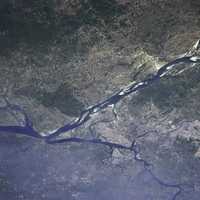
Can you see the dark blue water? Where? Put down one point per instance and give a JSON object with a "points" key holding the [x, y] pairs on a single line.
{"points": [[28, 129]]}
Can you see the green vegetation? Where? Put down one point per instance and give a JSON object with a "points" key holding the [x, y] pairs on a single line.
{"points": [[94, 11], [4, 186], [185, 146], [174, 92], [63, 98]]}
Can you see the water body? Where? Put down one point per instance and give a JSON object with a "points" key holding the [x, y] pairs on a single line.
{"points": [[28, 129], [86, 114]]}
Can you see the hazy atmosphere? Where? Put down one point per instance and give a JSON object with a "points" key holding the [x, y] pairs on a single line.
{"points": [[99, 100]]}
